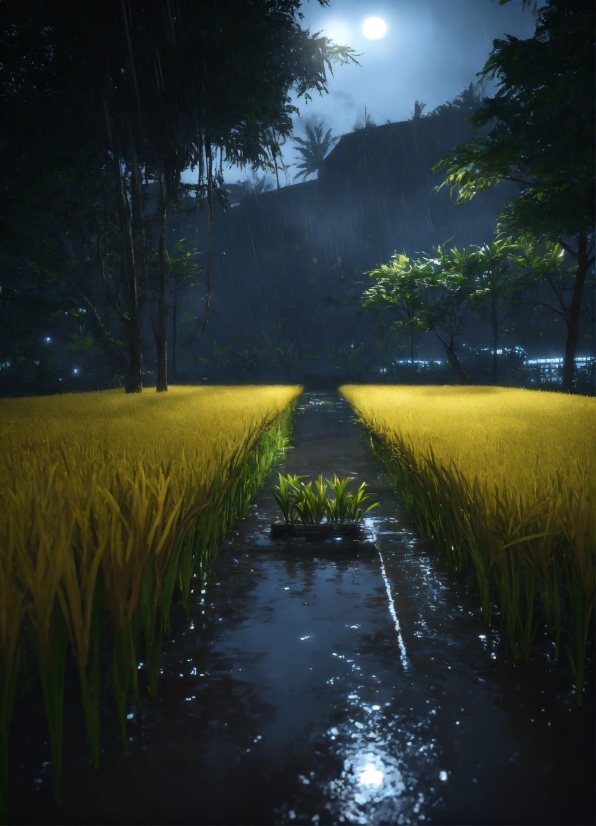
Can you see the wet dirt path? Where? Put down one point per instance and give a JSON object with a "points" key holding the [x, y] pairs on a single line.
{"points": [[333, 682]]}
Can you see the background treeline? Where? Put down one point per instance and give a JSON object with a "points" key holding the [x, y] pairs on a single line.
{"points": [[97, 103], [114, 268]]}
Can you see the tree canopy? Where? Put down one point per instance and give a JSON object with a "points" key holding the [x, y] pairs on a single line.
{"points": [[149, 89], [541, 125], [538, 132]]}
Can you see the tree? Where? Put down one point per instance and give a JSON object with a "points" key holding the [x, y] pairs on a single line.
{"points": [[501, 284], [55, 207], [165, 88], [419, 108], [314, 149], [541, 136], [464, 104], [241, 191], [396, 291], [184, 273], [550, 281], [429, 294]]}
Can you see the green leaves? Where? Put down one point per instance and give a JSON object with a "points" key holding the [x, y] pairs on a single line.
{"points": [[311, 502], [431, 293], [539, 126], [284, 494]]}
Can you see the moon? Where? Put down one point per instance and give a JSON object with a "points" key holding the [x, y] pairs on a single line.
{"points": [[373, 28]]}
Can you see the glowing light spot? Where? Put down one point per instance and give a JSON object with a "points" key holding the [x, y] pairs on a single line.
{"points": [[371, 776], [373, 28]]}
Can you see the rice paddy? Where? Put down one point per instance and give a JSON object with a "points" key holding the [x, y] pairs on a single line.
{"points": [[502, 480], [110, 506]]}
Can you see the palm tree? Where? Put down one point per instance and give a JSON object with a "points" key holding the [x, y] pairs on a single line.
{"points": [[468, 101], [241, 190], [314, 148], [419, 107]]}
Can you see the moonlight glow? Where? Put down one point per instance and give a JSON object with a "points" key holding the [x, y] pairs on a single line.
{"points": [[373, 28], [371, 776]]}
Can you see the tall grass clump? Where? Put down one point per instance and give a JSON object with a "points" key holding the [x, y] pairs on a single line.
{"points": [[110, 505], [503, 482], [311, 502]]}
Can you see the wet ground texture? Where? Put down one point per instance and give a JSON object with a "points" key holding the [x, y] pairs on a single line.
{"points": [[330, 681]]}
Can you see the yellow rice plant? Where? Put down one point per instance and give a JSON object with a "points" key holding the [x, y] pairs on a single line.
{"points": [[12, 609], [503, 479], [41, 526], [103, 497]]}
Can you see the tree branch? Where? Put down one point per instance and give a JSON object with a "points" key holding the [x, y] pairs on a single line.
{"points": [[518, 181], [95, 315]]}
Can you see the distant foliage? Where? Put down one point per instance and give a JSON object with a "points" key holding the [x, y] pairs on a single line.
{"points": [[366, 124], [313, 150], [419, 108], [250, 187], [466, 103]]}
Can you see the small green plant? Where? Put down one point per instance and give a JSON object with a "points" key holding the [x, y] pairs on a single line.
{"points": [[284, 494], [311, 502], [356, 509], [340, 506]]}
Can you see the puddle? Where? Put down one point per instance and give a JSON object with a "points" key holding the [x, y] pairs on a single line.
{"points": [[328, 682]]}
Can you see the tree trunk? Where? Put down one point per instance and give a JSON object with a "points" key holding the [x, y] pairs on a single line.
{"points": [[456, 363], [161, 343], [160, 329], [133, 378], [175, 329], [494, 325], [411, 348], [114, 357], [138, 224], [572, 317], [211, 219]]}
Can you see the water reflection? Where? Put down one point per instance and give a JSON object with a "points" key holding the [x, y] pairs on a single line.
{"points": [[389, 756], [392, 611]]}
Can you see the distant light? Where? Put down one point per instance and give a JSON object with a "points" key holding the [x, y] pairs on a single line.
{"points": [[373, 28], [48, 338], [75, 370], [371, 776]]}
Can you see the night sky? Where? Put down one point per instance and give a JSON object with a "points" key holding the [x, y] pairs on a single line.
{"points": [[431, 51]]}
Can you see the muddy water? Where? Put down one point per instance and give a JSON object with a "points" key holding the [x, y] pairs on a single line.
{"points": [[332, 682]]}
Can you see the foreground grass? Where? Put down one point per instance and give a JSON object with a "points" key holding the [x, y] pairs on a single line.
{"points": [[110, 504], [503, 481]]}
